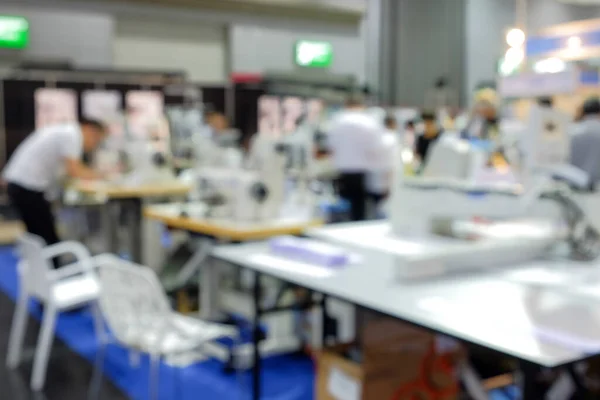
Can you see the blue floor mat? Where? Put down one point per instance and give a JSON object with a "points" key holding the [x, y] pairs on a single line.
{"points": [[284, 378]]}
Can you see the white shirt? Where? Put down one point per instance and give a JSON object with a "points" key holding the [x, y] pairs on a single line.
{"points": [[38, 163], [378, 182], [355, 141]]}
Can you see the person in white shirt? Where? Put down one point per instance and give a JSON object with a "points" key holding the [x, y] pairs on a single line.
{"points": [[355, 142], [40, 162], [379, 181]]}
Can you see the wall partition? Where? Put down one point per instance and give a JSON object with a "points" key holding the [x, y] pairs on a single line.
{"points": [[421, 42]]}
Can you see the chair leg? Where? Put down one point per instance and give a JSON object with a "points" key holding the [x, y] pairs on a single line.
{"points": [[134, 358], [96, 383], [153, 384], [17, 331], [44, 346]]}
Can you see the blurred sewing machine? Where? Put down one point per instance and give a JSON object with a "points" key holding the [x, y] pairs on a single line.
{"points": [[496, 214], [240, 194]]}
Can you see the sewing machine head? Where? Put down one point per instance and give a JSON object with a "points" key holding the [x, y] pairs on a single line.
{"points": [[235, 194], [147, 163], [219, 150]]}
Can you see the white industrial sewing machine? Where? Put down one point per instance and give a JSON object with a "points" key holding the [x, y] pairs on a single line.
{"points": [[237, 193], [148, 163], [500, 220], [251, 196]]}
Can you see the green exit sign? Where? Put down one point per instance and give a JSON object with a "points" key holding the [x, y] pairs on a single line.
{"points": [[14, 32], [313, 54]]}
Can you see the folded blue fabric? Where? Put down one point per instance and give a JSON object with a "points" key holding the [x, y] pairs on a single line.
{"points": [[309, 251]]}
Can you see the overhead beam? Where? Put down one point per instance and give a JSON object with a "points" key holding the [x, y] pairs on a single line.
{"points": [[297, 9]]}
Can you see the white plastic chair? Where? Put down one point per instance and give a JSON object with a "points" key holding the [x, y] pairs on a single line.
{"points": [[57, 289], [139, 316]]}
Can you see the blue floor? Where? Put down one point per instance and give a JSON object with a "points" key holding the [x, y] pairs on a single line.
{"points": [[284, 378]]}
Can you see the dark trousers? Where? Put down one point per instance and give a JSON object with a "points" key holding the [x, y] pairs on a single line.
{"points": [[376, 198], [35, 212], [352, 188]]}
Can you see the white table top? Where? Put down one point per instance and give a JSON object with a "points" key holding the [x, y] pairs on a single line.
{"points": [[529, 322], [375, 236]]}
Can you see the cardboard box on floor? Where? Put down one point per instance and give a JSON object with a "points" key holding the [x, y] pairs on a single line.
{"points": [[399, 362]]}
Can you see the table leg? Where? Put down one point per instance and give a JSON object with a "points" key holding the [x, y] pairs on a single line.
{"points": [[135, 230], [256, 337], [580, 390], [209, 287], [110, 227], [529, 385], [324, 322], [194, 264]]}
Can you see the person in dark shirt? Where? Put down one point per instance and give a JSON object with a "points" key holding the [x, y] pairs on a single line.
{"points": [[431, 133]]}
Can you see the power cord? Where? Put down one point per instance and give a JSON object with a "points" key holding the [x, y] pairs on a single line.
{"points": [[583, 238]]}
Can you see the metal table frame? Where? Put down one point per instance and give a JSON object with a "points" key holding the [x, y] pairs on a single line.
{"points": [[528, 369]]}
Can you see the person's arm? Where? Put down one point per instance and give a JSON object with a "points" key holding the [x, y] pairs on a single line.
{"points": [[76, 169], [71, 147]]}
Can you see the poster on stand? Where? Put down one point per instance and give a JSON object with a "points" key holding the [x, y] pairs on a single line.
{"points": [[269, 115], [54, 106], [292, 110], [104, 106], [145, 115], [101, 105], [315, 109]]}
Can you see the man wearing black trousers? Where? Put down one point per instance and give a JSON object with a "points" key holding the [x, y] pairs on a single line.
{"points": [[39, 162], [356, 145]]}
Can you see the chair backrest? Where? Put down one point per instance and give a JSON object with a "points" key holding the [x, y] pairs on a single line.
{"points": [[132, 302], [34, 267]]}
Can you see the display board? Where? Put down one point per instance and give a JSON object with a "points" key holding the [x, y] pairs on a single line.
{"points": [[293, 108], [549, 142], [144, 110], [101, 105], [314, 110], [105, 106], [281, 115], [269, 115], [54, 106]]}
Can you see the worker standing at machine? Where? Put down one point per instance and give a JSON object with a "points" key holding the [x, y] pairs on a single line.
{"points": [[40, 162], [355, 140], [379, 182], [585, 145], [430, 134], [217, 122], [484, 122]]}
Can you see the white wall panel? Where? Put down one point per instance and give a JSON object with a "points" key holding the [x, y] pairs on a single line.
{"points": [[425, 42], [256, 49], [486, 21], [198, 49], [85, 38]]}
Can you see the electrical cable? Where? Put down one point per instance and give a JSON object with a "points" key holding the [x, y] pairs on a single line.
{"points": [[583, 238]]}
